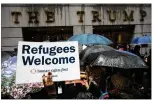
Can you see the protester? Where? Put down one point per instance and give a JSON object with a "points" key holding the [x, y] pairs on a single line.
{"points": [[149, 69], [128, 48], [91, 89], [70, 91], [146, 82], [124, 88], [103, 81], [49, 86], [94, 88], [137, 50], [149, 59], [121, 47]]}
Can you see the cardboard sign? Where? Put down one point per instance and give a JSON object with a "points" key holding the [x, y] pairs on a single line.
{"points": [[37, 58]]}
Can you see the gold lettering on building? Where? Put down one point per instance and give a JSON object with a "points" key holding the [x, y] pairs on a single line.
{"points": [[33, 16], [80, 13], [50, 17], [128, 18], [142, 14], [112, 15], [16, 15], [95, 16]]}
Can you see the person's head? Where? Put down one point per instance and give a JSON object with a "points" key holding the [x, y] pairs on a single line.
{"points": [[15, 49], [127, 46], [49, 75], [47, 80], [91, 78], [137, 48], [120, 47]]}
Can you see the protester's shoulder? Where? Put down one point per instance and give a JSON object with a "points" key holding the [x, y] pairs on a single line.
{"points": [[149, 56]]}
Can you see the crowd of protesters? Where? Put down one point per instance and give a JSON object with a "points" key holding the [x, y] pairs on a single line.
{"points": [[114, 84]]}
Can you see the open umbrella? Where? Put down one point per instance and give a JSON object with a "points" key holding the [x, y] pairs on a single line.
{"points": [[114, 58], [93, 49], [142, 40], [9, 66], [127, 52], [89, 39]]}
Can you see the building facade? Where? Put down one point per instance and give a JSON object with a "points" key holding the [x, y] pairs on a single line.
{"points": [[118, 22]]}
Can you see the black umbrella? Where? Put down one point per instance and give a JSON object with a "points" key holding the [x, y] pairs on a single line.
{"points": [[114, 58], [93, 49]]}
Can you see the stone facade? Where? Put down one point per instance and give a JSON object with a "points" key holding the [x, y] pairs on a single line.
{"points": [[81, 17]]}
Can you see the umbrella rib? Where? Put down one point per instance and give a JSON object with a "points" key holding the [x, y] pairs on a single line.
{"points": [[94, 61]]}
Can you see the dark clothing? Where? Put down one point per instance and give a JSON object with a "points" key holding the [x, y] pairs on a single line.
{"points": [[84, 95], [137, 51], [6, 96], [95, 90], [149, 61], [103, 82], [42, 94], [62, 85], [138, 54], [138, 76], [138, 72], [149, 71], [69, 92]]}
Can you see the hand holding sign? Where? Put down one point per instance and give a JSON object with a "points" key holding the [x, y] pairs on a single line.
{"points": [[47, 80], [49, 84]]}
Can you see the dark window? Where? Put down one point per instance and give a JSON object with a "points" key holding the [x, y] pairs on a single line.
{"points": [[118, 34], [39, 34]]}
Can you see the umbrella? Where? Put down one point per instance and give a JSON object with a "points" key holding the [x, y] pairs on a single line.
{"points": [[10, 61], [89, 39], [93, 49], [127, 52], [10, 66], [142, 40], [114, 58]]}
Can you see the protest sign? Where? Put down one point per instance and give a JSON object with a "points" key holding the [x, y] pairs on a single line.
{"points": [[37, 58]]}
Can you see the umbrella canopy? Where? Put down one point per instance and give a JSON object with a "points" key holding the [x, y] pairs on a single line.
{"points": [[9, 66], [89, 39], [93, 49], [142, 40], [127, 52], [114, 58]]}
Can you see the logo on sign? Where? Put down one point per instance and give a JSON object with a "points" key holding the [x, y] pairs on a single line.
{"points": [[33, 71]]}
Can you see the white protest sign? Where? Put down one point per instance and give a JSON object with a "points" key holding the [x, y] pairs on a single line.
{"points": [[37, 58]]}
